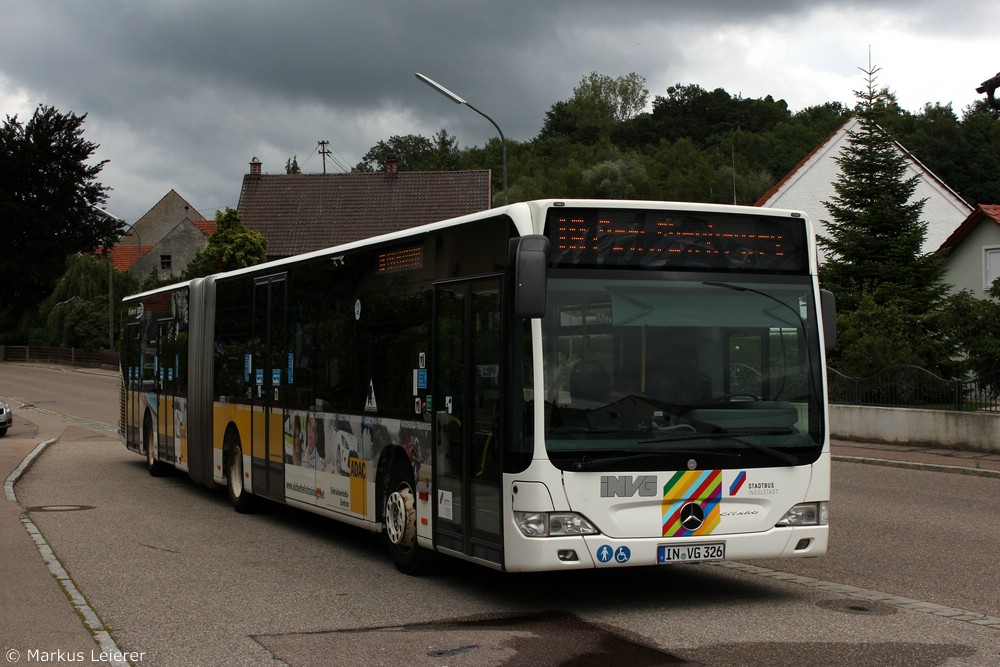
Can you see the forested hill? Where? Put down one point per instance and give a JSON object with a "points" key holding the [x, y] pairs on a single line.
{"points": [[600, 143]]}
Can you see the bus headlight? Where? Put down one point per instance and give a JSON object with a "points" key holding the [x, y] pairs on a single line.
{"points": [[807, 514], [553, 524]]}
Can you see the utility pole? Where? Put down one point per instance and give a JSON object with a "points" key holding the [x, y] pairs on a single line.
{"points": [[324, 151]]}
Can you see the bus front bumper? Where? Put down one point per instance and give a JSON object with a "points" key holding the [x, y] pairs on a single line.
{"points": [[531, 554]]}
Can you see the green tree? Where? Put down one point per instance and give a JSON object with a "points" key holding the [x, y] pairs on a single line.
{"points": [[621, 177], [684, 172], [599, 104], [964, 152], [232, 246], [75, 314], [875, 335], [690, 111], [875, 264], [616, 98], [972, 326], [411, 153], [977, 170], [49, 199], [446, 153], [292, 165], [415, 152]]}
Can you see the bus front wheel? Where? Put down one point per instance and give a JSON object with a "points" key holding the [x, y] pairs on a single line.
{"points": [[399, 520]]}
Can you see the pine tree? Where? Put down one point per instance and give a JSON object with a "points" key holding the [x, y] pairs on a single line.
{"points": [[876, 233], [875, 264]]}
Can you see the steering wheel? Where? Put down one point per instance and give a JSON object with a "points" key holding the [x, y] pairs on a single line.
{"points": [[728, 398]]}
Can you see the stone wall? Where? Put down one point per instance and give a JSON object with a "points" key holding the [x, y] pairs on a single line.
{"points": [[978, 431]]}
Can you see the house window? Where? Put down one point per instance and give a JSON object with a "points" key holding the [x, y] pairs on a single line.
{"points": [[991, 266], [164, 262]]}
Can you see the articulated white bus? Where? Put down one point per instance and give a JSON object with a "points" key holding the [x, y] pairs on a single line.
{"points": [[549, 385]]}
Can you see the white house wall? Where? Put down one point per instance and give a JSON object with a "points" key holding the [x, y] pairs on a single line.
{"points": [[965, 269], [811, 185]]}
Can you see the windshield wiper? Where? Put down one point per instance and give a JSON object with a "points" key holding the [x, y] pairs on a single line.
{"points": [[718, 435], [738, 436]]}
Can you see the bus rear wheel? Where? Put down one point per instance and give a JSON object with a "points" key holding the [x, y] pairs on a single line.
{"points": [[155, 467], [240, 498], [399, 520]]}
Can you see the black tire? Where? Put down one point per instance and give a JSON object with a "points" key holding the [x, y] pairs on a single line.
{"points": [[155, 467], [399, 519], [242, 500]]}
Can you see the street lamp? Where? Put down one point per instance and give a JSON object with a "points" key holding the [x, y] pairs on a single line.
{"points": [[458, 100], [111, 276]]}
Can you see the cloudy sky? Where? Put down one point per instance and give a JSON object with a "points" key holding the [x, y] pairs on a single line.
{"points": [[183, 93]]}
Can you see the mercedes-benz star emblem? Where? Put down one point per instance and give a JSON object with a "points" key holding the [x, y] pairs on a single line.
{"points": [[692, 516]]}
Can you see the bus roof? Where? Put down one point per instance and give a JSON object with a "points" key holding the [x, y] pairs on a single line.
{"points": [[528, 218]]}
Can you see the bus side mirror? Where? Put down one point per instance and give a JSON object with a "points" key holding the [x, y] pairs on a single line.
{"points": [[829, 306], [531, 263]]}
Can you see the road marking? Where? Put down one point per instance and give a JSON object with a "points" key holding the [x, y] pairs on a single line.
{"points": [[975, 618], [80, 420]]}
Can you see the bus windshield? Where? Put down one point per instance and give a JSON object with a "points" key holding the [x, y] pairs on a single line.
{"points": [[679, 370]]}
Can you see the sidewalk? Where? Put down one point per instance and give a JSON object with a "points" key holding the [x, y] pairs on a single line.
{"points": [[911, 456], [35, 614]]}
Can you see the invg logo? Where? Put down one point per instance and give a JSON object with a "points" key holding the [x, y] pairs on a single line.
{"points": [[626, 486]]}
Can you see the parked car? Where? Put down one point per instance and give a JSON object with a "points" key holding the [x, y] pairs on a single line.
{"points": [[6, 418]]}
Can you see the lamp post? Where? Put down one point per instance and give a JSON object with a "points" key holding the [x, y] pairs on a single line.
{"points": [[111, 277], [458, 100], [111, 285]]}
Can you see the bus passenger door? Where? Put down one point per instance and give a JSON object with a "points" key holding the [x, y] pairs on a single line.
{"points": [[165, 392], [466, 405], [131, 364], [270, 373]]}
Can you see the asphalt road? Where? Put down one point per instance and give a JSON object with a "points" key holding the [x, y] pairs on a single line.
{"points": [[176, 576]]}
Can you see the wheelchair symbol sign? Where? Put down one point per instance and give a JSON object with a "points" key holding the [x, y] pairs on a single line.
{"points": [[606, 554]]}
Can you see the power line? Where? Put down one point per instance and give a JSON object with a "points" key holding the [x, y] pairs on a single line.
{"points": [[341, 163]]}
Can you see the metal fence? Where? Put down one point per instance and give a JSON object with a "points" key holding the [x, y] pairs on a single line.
{"points": [[915, 387], [60, 355]]}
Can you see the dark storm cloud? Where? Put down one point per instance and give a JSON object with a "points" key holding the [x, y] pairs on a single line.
{"points": [[182, 93], [119, 57]]}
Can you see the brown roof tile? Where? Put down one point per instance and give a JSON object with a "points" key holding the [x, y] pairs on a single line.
{"points": [[124, 255], [207, 227], [299, 213]]}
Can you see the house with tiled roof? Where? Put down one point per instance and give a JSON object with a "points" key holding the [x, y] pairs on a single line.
{"points": [[810, 184], [973, 261], [164, 240], [127, 251], [299, 213]]}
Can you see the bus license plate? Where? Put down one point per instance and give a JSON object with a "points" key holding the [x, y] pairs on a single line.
{"points": [[691, 553]]}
